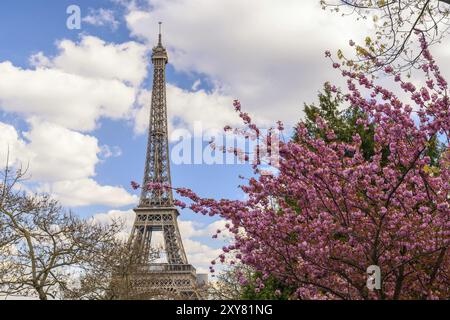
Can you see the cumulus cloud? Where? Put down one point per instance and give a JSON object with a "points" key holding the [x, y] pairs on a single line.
{"points": [[61, 161], [441, 52], [110, 152], [95, 58], [52, 151], [67, 99], [125, 217], [213, 110], [200, 255], [102, 17], [11, 146], [78, 86], [269, 54], [193, 229], [84, 192]]}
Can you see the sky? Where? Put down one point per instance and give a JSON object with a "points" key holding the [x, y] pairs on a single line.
{"points": [[74, 103]]}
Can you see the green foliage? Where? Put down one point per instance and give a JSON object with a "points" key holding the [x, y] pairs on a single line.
{"points": [[435, 150], [269, 292], [343, 120]]}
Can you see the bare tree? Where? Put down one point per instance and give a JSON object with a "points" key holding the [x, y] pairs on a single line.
{"points": [[226, 285], [41, 245], [47, 252], [396, 21], [108, 275]]}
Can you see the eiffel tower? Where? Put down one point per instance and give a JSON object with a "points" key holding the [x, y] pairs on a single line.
{"points": [[156, 210]]}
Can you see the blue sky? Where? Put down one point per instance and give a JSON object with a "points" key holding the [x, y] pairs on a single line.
{"points": [[75, 103]]}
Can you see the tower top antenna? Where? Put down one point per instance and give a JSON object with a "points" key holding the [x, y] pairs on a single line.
{"points": [[160, 34]]}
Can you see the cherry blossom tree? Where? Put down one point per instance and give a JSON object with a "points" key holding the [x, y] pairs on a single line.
{"points": [[329, 212]]}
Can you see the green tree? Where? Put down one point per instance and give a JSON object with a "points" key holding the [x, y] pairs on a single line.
{"points": [[268, 289], [342, 119]]}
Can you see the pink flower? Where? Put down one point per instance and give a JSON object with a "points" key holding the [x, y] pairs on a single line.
{"points": [[388, 69], [180, 204], [135, 185]]}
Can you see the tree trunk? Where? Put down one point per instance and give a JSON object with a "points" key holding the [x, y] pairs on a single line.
{"points": [[42, 294]]}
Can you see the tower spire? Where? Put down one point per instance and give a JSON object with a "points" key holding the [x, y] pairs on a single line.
{"points": [[160, 35]]}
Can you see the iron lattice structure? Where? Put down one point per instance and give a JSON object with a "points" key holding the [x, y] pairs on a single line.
{"points": [[156, 210]]}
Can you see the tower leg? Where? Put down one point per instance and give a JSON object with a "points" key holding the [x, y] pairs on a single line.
{"points": [[147, 246], [172, 242]]}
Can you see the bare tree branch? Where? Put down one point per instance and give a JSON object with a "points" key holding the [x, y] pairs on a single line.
{"points": [[396, 21]]}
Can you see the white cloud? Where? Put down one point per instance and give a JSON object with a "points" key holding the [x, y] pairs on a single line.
{"points": [[84, 192], [213, 110], [58, 153], [102, 17], [84, 82], [52, 152], [67, 99], [61, 161], [194, 234], [142, 114], [196, 85], [268, 54], [193, 229], [110, 152], [126, 217], [200, 255], [39, 60], [94, 58], [11, 146], [441, 52]]}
